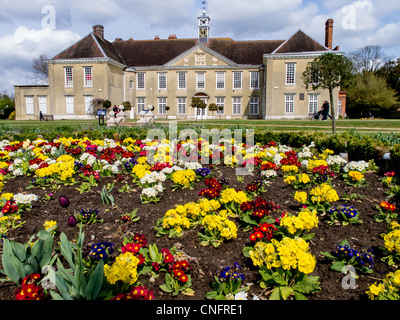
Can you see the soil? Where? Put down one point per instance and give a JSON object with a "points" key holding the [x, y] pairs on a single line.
{"points": [[205, 260]]}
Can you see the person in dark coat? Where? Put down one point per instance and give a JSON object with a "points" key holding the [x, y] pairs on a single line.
{"points": [[116, 110], [41, 118], [325, 111]]}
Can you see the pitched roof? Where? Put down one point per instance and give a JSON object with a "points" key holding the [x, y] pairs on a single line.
{"points": [[135, 53], [244, 52], [151, 52], [91, 46], [300, 42]]}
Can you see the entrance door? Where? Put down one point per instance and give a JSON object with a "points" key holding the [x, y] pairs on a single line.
{"points": [[202, 113]]}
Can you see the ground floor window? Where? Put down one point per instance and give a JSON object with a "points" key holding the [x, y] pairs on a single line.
{"points": [[69, 101], [162, 103], [312, 103], [221, 105], [254, 105], [289, 103], [181, 105], [140, 104], [237, 106], [89, 104], [29, 105], [43, 104]]}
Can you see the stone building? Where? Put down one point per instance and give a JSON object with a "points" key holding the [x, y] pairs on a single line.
{"points": [[245, 79]]}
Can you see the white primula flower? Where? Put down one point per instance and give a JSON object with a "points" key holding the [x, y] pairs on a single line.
{"points": [[241, 295]]}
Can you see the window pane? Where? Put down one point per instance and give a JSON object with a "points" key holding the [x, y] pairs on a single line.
{"points": [[254, 80], [290, 73], [289, 103], [254, 105], [68, 76], [69, 104], [181, 80], [89, 104], [140, 81], [313, 103], [162, 103], [220, 76], [140, 104], [88, 77], [221, 103], [181, 105], [43, 104], [29, 105], [237, 80], [201, 80], [162, 80], [237, 105]]}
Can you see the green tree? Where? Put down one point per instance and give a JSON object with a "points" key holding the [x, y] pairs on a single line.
{"points": [[213, 107], [329, 71], [198, 103], [370, 94], [391, 73], [7, 105]]}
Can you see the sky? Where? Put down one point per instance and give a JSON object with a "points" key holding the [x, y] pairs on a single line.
{"points": [[29, 28]]}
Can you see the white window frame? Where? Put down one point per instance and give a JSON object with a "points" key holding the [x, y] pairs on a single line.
{"points": [[43, 104], [162, 103], [140, 81], [253, 105], [220, 80], [69, 104], [312, 103], [87, 77], [141, 104], [237, 80], [181, 105], [200, 80], [181, 80], [69, 77], [290, 73], [236, 105], [162, 81], [200, 59], [254, 80], [88, 104], [220, 102], [29, 105], [289, 103]]}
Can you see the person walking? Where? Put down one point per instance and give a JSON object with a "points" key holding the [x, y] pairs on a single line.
{"points": [[41, 118], [325, 111]]}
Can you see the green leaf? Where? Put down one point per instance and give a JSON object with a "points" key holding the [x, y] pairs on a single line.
{"points": [[279, 278], [275, 295], [246, 251], [338, 266], [95, 282], [285, 292], [328, 255], [299, 296], [307, 284], [66, 250], [12, 266]]}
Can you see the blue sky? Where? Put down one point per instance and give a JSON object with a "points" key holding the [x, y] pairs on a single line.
{"points": [[49, 26]]}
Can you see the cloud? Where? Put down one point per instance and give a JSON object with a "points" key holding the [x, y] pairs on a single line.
{"points": [[19, 48]]}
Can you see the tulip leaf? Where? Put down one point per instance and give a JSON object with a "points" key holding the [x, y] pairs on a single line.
{"points": [[12, 266], [95, 282]]}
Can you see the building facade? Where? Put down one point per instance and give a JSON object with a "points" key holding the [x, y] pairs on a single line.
{"points": [[245, 79]]}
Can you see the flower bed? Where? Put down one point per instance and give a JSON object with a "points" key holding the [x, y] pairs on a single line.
{"points": [[144, 230]]}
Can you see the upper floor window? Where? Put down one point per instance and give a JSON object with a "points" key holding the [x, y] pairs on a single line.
{"points": [[237, 80], [290, 73], [200, 80], [181, 80], [254, 79], [68, 77], [140, 80], [220, 79], [88, 80], [162, 80]]}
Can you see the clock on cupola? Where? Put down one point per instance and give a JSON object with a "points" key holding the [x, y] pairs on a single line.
{"points": [[204, 27]]}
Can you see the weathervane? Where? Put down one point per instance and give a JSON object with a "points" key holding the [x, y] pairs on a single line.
{"points": [[204, 6]]}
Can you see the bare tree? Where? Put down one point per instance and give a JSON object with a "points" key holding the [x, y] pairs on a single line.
{"points": [[369, 58], [40, 68]]}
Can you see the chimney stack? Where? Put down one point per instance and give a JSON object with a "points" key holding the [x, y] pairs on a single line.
{"points": [[172, 37], [98, 30], [157, 37], [329, 33]]}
